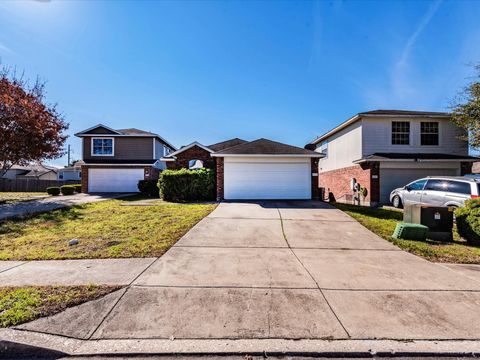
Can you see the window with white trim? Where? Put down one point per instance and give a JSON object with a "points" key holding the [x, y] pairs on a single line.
{"points": [[102, 146], [429, 133], [400, 133]]}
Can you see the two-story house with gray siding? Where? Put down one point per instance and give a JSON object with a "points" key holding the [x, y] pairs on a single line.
{"points": [[386, 149], [115, 160]]}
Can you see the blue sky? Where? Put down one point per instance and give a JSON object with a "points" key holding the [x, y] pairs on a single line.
{"points": [[209, 71]]}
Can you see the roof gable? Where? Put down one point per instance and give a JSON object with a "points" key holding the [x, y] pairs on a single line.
{"points": [[101, 129], [186, 147], [98, 129]]}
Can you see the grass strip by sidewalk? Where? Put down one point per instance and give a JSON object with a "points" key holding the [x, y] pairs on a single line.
{"points": [[383, 221], [104, 230], [22, 304]]}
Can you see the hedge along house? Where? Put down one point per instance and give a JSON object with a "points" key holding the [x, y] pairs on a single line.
{"points": [[386, 149], [257, 170], [115, 160]]}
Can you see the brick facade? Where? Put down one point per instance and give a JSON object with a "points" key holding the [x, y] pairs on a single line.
{"points": [[219, 179], [337, 183], [151, 173], [84, 178], [314, 170], [194, 153]]}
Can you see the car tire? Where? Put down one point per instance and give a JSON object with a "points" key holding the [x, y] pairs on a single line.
{"points": [[397, 202]]}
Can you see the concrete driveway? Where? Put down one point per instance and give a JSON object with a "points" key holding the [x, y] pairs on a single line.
{"points": [[281, 270]]}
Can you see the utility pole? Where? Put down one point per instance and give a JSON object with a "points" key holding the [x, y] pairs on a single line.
{"points": [[68, 151]]}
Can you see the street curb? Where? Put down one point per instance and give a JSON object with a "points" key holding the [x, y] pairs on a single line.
{"points": [[18, 343], [10, 350]]}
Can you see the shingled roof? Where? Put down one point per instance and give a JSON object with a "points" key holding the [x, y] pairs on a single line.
{"points": [[133, 131], [266, 147], [404, 112], [415, 156], [226, 144]]}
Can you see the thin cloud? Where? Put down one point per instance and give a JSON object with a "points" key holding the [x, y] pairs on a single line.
{"points": [[403, 87], [423, 24], [5, 49]]}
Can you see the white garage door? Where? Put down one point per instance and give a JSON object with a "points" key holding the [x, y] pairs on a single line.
{"points": [[267, 180], [394, 178], [114, 180]]}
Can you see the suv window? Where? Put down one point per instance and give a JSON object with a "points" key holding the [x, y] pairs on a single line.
{"points": [[417, 185], [459, 187], [436, 185]]}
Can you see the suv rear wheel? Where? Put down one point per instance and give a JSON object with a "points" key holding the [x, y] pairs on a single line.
{"points": [[397, 202]]}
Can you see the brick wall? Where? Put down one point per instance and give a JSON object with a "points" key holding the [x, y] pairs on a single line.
{"points": [[151, 173], [219, 178], [338, 183], [314, 170], [84, 179], [194, 153]]}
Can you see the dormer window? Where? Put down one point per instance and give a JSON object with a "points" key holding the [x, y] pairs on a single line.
{"points": [[429, 133], [102, 146], [400, 133]]}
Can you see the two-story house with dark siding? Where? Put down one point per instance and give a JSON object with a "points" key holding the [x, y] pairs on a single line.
{"points": [[115, 160], [385, 149]]}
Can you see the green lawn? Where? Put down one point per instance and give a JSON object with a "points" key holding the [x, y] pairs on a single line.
{"points": [[104, 230], [22, 304], [11, 197], [383, 222]]}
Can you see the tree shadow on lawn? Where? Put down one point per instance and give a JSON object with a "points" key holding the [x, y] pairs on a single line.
{"points": [[379, 213]]}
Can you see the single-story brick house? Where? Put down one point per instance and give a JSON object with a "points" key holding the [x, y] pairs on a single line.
{"points": [[248, 170]]}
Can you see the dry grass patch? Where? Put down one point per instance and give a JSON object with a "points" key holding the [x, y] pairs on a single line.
{"points": [[104, 230]]}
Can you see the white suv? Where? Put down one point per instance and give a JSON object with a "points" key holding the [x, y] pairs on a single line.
{"points": [[437, 191]]}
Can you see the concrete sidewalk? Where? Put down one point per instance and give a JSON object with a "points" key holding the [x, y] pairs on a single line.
{"points": [[25, 208], [72, 272], [252, 277]]}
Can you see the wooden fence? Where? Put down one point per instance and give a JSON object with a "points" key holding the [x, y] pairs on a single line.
{"points": [[30, 185]]}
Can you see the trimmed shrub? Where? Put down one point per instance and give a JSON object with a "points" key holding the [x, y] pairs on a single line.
{"points": [[149, 188], [67, 189], [54, 191], [468, 221], [187, 185], [78, 188]]}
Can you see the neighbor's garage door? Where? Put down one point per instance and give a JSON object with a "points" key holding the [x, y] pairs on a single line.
{"points": [[395, 178], [267, 180], [114, 180]]}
